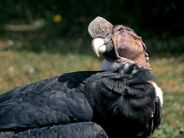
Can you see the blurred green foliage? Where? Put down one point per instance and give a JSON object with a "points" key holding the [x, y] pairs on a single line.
{"points": [[164, 16]]}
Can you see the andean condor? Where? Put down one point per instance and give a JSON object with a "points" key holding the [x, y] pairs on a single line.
{"points": [[120, 44], [119, 102]]}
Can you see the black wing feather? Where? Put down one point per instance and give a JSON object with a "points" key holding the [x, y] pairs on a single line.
{"points": [[74, 130], [45, 102]]}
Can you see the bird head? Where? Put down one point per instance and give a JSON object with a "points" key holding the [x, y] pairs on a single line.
{"points": [[119, 43]]}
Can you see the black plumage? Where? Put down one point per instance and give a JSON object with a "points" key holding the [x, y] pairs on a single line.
{"points": [[73, 130], [120, 100]]}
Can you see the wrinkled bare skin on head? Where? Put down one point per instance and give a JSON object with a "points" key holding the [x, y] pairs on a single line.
{"points": [[127, 44]]}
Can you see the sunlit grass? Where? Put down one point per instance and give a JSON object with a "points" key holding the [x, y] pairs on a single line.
{"points": [[32, 58], [29, 60], [170, 74]]}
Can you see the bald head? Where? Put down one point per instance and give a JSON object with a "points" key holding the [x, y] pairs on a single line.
{"points": [[127, 45]]}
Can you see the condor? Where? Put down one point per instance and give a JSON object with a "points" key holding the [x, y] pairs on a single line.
{"points": [[121, 101], [118, 102]]}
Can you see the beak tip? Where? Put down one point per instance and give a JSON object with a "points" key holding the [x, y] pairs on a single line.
{"points": [[96, 44]]}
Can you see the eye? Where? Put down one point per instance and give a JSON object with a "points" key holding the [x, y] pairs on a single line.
{"points": [[107, 34]]}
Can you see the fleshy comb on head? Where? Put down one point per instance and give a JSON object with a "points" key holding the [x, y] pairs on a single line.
{"points": [[100, 27]]}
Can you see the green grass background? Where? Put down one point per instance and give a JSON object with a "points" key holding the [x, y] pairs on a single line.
{"points": [[28, 57]]}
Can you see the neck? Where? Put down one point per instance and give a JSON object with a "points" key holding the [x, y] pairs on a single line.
{"points": [[142, 61], [106, 64]]}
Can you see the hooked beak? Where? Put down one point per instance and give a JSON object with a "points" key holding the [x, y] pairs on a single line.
{"points": [[98, 45]]}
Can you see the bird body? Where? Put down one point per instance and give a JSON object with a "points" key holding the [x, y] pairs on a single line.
{"points": [[120, 44], [103, 97]]}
